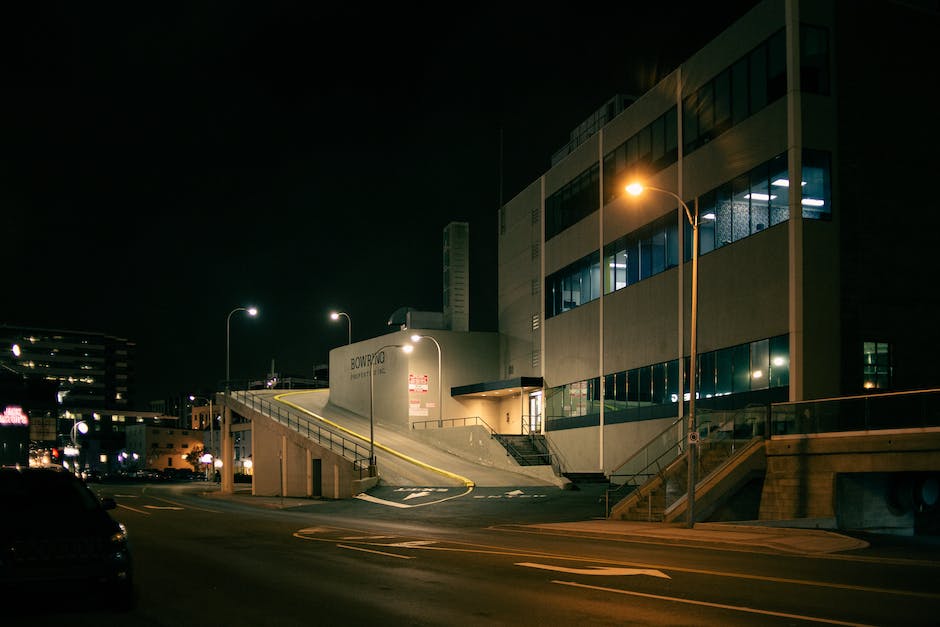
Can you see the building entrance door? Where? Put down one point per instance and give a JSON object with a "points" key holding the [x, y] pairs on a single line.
{"points": [[535, 412]]}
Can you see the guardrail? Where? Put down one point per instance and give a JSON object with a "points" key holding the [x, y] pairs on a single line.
{"points": [[892, 410], [451, 422], [337, 442]]}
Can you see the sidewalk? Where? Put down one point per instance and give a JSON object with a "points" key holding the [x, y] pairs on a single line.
{"points": [[790, 540]]}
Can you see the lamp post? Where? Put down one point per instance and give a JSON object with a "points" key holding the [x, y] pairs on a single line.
{"points": [[211, 421], [440, 381], [636, 189], [252, 311], [73, 451], [407, 348], [335, 316]]}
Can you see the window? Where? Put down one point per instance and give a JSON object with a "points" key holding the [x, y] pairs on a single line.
{"points": [[759, 199], [642, 254], [876, 365], [653, 148], [572, 203], [814, 60], [573, 285]]}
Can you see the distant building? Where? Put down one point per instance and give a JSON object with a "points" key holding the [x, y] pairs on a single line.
{"points": [[91, 369], [63, 378], [160, 448]]}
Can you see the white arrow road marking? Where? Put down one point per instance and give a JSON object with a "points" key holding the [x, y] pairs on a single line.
{"points": [[163, 507], [372, 499], [413, 543], [608, 571], [415, 495], [515, 493]]}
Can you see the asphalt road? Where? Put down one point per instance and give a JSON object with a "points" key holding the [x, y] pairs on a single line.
{"points": [[472, 559]]}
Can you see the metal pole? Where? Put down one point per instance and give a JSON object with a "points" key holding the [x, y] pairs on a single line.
{"points": [[372, 468], [693, 370], [691, 432]]}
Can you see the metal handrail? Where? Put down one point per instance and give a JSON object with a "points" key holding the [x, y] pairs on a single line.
{"points": [[725, 431], [326, 437], [452, 422]]}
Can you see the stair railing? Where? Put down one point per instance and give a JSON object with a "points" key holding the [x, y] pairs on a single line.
{"points": [[720, 428]]}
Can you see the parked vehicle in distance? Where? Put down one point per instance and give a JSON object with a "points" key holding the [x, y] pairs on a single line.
{"points": [[57, 541]]}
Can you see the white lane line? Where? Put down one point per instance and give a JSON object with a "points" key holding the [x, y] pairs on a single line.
{"points": [[609, 571], [372, 499], [134, 509], [358, 548], [164, 507], [201, 509], [722, 606]]}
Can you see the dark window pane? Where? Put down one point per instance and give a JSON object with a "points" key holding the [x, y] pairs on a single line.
{"points": [[724, 371], [742, 368], [814, 60], [739, 91], [776, 66], [758, 79], [690, 123], [659, 384], [723, 101]]}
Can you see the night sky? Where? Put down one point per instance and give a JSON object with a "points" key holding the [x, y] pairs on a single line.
{"points": [[164, 163]]}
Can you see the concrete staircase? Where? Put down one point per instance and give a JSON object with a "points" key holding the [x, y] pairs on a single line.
{"points": [[722, 468], [527, 450]]}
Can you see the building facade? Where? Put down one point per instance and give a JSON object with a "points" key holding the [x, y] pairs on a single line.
{"points": [[790, 137], [160, 448]]}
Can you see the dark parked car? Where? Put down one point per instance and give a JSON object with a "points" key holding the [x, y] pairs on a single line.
{"points": [[58, 544]]}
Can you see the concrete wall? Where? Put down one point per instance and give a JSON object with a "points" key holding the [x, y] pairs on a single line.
{"points": [[578, 450], [407, 387], [283, 463], [843, 475]]}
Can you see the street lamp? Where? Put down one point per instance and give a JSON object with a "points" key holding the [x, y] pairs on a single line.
{"points": [[335, 316], [635, 189], [211, 422], [406, 348], [440, 381], [78, 426], [252, 311]]}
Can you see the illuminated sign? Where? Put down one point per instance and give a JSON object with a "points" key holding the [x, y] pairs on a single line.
{"points": [[14, 416]]}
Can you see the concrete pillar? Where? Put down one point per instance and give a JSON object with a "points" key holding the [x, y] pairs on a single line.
{"points": [[227, 453]]}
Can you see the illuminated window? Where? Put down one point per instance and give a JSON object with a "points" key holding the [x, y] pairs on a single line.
{"points": [[876, 365]]}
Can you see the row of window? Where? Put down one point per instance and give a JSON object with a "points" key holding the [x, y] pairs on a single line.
{"points": [[753, 366], [735, 210], [754, 81], [572, 203]]}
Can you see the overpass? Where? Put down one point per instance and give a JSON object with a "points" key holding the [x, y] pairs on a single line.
{"points": [[304, 446]]}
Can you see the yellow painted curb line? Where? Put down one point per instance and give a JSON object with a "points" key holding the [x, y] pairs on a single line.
{"points": [[280, 398]]}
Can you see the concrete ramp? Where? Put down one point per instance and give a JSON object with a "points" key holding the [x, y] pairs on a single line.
{"points": [[402, 458]]}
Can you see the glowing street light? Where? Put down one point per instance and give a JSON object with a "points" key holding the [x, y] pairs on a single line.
{"points": [[251, 311], [635, 189], [406, 348], [336, 315], [440, 381]]}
